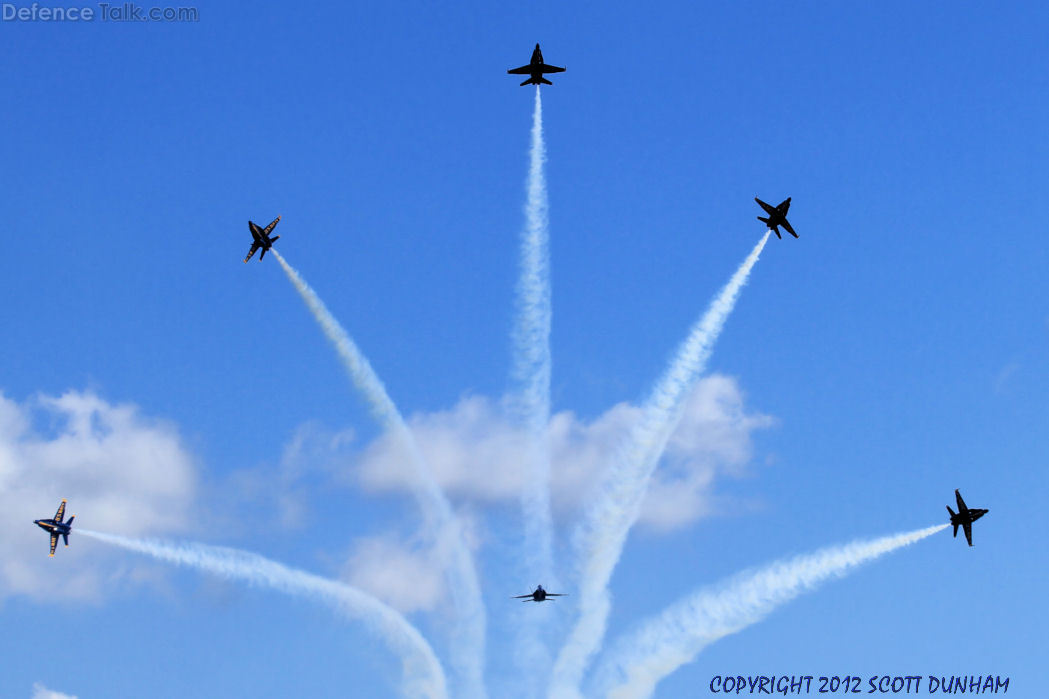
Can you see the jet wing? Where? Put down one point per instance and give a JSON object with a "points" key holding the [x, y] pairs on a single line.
{"points": [[784, 206], [769, 208], [523, 70], [54, 543], [254, 247], [273, 224], [61, 512], [529, 596], [556, 594], [957, 496], [968, 532], [789, 229], [544, 68]]}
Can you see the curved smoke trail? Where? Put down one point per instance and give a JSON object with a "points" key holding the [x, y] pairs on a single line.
{"points": [[608, 520], [423, 676], [468, 643], [676, 636]]}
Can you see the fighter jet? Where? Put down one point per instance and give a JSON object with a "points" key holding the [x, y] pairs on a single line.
{"points": [[56, 527], [535, 69], [777, 217], [262, 238], [965, 517], [539, 595]]}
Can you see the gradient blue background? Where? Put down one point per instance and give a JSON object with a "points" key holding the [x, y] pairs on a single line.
{"points": [[901, 341]]}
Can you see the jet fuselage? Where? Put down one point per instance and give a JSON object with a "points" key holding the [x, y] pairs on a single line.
{"points": [[968, 516], [50, 525]]}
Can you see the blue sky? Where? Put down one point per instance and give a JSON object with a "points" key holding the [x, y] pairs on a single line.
{"points": [[898, 346]]}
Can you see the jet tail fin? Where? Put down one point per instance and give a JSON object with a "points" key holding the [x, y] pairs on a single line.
{"points": [[263, 254], [768, 224], [70, 522], [273, 240]]}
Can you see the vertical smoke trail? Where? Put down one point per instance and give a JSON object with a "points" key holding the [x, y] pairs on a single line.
{"points": [[676, 636], [608, 521], [532, 369], [532, 355], [423, 676], [468, 643]]}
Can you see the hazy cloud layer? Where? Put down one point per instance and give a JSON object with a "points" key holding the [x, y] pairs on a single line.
{"points": [[42, 692], [479, 453], [120, 470]]}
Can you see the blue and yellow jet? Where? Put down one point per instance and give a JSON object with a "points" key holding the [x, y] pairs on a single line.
{"points": [[56, 527]]}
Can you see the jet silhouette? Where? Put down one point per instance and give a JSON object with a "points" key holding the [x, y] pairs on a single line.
{"points": [[777, 217], [539, 595], [56, 527], [965, 517], [535, 69], [262, 238]]}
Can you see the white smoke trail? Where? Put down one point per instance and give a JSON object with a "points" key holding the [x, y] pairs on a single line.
{"points": [[676, 636], [604, 530], [423, 676], [532, 370], [468, 642], [532, 355]]}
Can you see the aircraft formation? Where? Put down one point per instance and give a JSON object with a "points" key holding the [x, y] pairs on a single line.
{"points": [[535, 69]]}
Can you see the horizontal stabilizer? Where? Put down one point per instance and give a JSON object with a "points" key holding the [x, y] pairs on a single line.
{"points": [[274, 239], [544, 81], [262, 254]]}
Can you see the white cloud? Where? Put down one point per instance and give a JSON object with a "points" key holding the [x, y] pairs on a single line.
{"points": [[42, 692], [407, 578], [120, 471], [310, 460], [477, 452]]}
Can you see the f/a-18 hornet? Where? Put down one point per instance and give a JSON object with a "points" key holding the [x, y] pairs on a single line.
{"points": [[777, 217], [965, 517], [262, 238], [56, 527], [535, 69], [539, 595]]}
